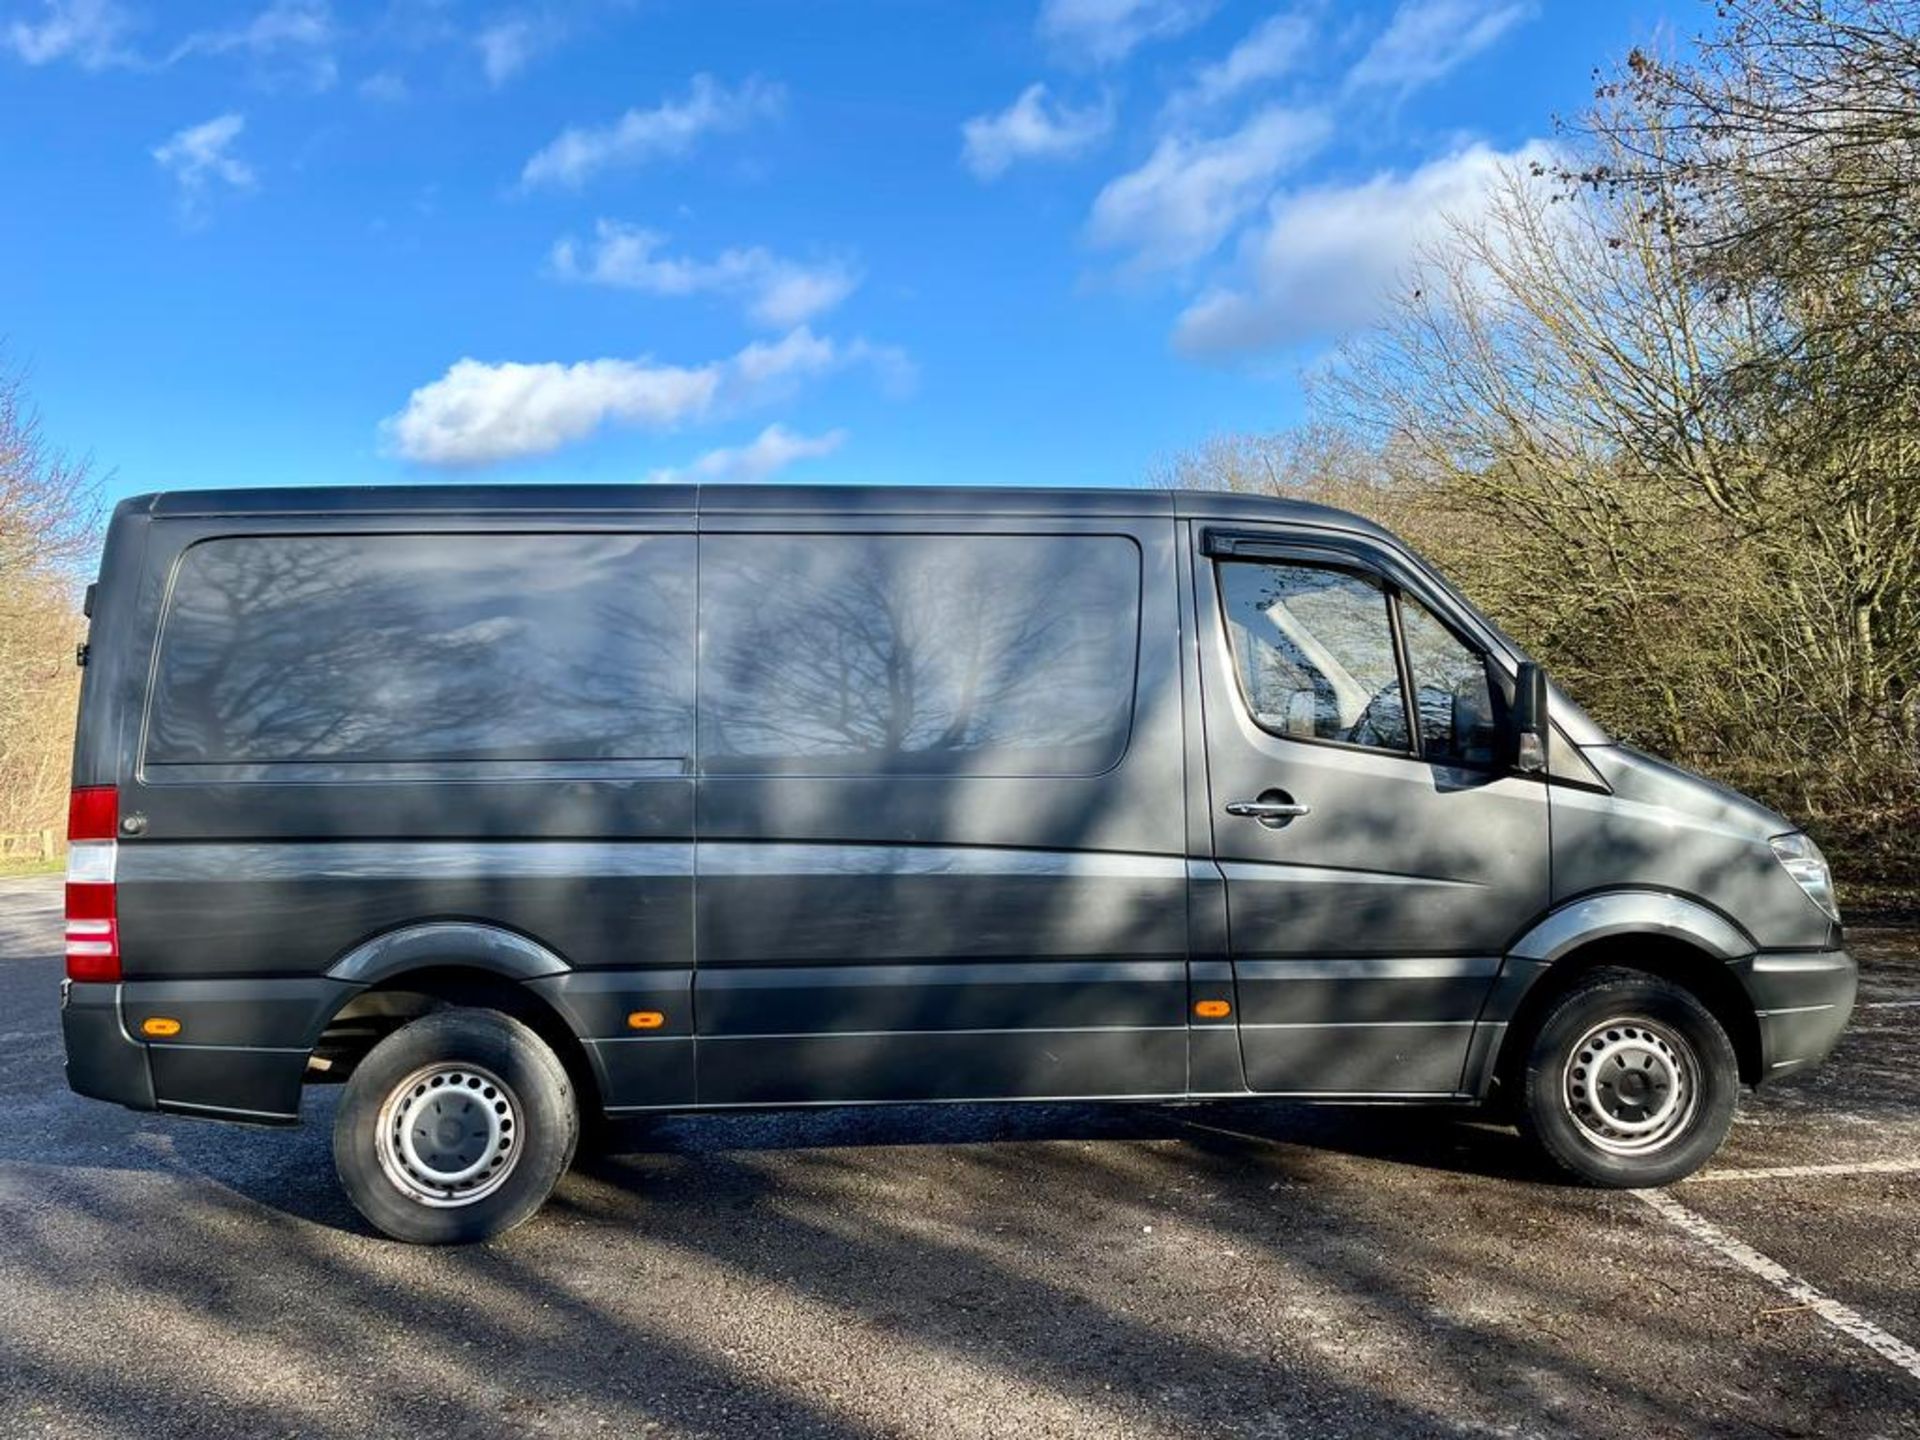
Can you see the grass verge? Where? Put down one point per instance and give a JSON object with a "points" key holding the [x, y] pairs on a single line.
{"points": [[13, 866]]}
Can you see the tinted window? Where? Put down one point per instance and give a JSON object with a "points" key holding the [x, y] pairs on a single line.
{"points": [[427, 648], [1458, 722], [917, 654], [1314, 648]]}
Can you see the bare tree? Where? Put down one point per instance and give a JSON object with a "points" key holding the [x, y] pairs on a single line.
{"points": [[1653, 409], [1786, 143], [49, 527]]}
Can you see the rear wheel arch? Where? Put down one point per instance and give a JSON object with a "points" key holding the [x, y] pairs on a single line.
{"points": [[401, 996], [466, 944]]}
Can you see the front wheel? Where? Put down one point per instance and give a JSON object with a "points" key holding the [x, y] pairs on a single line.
{"points": [[454, 1128], [1629, 1081]]}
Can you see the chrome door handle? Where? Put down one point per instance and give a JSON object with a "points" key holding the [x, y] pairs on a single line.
{"points": [[1267, 809]]}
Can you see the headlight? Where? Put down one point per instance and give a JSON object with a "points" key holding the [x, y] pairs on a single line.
{"points": [[1808, 867]]}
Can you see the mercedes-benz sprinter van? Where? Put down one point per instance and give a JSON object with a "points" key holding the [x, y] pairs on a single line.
{"points": [[516, 808]]}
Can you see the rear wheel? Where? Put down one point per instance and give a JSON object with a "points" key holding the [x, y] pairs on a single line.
{"points": [[1629, 1081], [454, 1128]]}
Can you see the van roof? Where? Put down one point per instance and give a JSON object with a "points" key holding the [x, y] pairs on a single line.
{"points": [[745, 499]]}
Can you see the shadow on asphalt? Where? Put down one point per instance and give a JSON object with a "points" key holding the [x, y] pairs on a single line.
{"points": [[291, 1168], [1431, 1137], [1207, 1269], [981, 1285], [998, 1241]]}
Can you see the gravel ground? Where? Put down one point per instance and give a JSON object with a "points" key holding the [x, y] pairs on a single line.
{"points": [[1252, 1270]]}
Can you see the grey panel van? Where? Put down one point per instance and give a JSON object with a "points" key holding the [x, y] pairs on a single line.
{"points": [[515, 809]]}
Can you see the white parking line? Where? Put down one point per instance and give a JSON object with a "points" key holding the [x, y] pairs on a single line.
{"points": [[1843, 1318], [1804, 1172], [1887, 1004]]}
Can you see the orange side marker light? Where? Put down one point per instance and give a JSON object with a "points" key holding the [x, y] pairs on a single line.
{"points": [[1213, 1009], [645, 1020], [160, 1027]]}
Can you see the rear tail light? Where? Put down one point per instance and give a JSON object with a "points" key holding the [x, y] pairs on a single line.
{"points": [[93, 928]]}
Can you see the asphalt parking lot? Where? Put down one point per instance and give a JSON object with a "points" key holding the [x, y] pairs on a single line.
{"points": [[1157, 1271]]}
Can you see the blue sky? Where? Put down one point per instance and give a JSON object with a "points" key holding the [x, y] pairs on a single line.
{"points": [[1044, 241]]}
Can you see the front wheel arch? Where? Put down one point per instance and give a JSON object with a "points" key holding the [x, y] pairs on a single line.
{"points": [[1707, 977]]}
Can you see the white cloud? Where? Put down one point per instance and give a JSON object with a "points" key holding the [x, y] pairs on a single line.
{"points": [[799, 352], [480, 413], [1274, 47], [199, 158], [508, 46], [1031, 129], [290, 38], [1103, 32], [787, 293], [386, 86], [504, 49], [768, 453], [1182, 202], [775, 292], [1427, 38], [1327, 257], [91, 33], [669, 130]]}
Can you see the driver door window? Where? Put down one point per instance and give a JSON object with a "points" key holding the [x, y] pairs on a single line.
{"points": [[1460, 712], [1313, 648]]}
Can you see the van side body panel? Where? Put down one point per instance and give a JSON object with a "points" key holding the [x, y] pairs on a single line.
{"points": [[267, 876]]}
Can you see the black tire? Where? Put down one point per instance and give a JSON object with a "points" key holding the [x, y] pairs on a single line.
{"points": [[1575, 1087], [511, 1114]]}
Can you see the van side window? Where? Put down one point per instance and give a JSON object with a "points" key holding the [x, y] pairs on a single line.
{"points": [[1314, 650], [1459, 723], [917, 654], [421, 649]]}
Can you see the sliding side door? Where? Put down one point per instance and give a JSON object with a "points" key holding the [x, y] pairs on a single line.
{"points": [[940, 846]]}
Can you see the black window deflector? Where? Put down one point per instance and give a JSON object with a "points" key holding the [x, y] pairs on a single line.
{"points": [[1245, 545]]}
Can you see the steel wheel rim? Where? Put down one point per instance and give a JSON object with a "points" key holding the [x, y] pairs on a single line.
{"points": [[449, 1135], [1631, 1085]]}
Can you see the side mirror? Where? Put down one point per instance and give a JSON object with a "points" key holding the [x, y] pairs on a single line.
{"points": [[1527, 720]]}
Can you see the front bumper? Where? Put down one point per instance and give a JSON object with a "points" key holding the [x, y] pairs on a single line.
{"points": [[1802, 999], [241, 1053]]}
